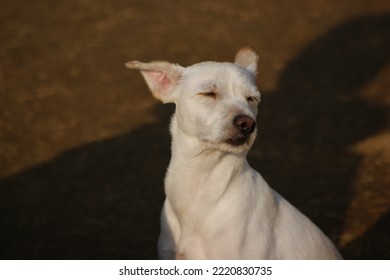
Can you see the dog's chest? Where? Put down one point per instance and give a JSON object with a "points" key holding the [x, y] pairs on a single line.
{"points": [[190, 197]]}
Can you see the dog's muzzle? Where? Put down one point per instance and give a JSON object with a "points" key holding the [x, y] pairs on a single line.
{"points": [[244, 127]]}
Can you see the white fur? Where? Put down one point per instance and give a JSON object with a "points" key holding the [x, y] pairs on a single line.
{"points": [[217, 206]]}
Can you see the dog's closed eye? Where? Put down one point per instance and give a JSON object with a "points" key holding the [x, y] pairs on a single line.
{"points": [[252, 99], [209, 94]]}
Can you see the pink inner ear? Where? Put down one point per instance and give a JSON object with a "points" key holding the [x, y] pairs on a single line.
{"points": [[160, 80], [160, 83]]}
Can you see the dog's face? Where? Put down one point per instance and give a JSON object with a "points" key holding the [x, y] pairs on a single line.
{"points": [[215, 102]]}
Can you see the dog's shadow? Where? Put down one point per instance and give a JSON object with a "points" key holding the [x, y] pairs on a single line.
{"points": [[103, 200], [309, 126]]}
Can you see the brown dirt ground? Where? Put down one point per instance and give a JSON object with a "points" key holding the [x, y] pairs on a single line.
{"points": [[84, 147]]}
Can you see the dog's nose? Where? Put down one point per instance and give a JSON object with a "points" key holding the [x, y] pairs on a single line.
{"points": [[245, 124]]}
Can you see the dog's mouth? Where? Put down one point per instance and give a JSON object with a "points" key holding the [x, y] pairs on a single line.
{"points": [[235, 143], [238, 140]]}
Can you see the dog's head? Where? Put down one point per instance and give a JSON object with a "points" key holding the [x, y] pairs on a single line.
{"points": [[215, 102]]}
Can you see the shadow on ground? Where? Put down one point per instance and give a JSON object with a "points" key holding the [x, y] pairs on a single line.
{"points": [[99, 201], [102, 200], [310, 124]]}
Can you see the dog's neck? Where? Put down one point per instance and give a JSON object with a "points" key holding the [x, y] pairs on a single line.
{"points": [[194, 168]]}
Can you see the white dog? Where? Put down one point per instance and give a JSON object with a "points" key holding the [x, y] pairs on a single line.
{"points": [[217, 206]]}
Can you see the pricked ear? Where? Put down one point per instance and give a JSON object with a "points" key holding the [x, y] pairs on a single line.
{"points": [[161, 76], [247, 58]]}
